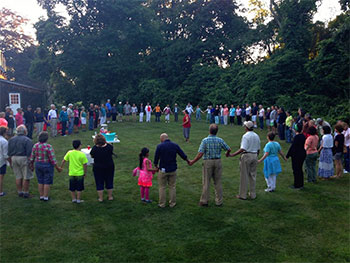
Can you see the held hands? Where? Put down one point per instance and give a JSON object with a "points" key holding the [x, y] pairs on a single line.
{"points": [[59, 169]]}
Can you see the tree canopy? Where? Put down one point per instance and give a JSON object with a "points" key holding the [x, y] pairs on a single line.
{"points": [[166, 51]]}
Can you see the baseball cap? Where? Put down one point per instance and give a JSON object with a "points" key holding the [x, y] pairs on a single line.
{"points": [[248, 124]]}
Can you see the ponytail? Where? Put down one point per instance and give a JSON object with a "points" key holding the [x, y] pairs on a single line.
{"points": [[142, 155]]}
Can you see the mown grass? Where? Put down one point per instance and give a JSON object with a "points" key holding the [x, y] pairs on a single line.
{"points": [[294, 226]]}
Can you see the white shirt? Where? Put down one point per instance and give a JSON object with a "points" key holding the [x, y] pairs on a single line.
{"points": [[261, 112], [238, 112], [327, 141], [52, 114], [134, 109], [248, 110], [189, 109], [3, 150], [347, 137], [147, 108], [250, 142]]}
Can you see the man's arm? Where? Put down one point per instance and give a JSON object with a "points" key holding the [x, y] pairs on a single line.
{"points": [[182, 154], [156, 157]]}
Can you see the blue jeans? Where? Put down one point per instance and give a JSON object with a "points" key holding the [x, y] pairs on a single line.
{"points": [[64, 126], [70, 125], [288, 134], [44, 172], [261, 122], [91, 123], [198, 116], [222, 119]]}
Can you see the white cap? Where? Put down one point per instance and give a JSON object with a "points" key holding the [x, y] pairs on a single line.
{"points": [[248, 124]]}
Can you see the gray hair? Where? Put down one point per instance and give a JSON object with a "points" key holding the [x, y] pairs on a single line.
{"points": [[21, 130], [2, 114]]}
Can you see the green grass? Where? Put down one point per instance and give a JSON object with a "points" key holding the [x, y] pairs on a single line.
{"points": [[294, 226]]}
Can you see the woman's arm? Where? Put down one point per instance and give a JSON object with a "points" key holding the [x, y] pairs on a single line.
{"points": [[282, 154], [264, 157]]}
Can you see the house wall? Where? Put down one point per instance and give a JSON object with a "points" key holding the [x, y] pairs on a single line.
{"points": [[29, 95]]}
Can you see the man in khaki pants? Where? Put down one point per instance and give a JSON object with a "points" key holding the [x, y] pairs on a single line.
{"points": [[210, 150], [19, 150], [249, 150], [166, 153]]}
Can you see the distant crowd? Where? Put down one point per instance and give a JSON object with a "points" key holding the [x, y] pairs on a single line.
{"points": [[310, 140]]}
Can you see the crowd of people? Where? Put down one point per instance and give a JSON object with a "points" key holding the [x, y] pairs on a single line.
{"points": [[309, 140]]}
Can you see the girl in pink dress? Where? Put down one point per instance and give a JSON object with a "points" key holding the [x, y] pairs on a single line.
{"points": [[145, 175]]}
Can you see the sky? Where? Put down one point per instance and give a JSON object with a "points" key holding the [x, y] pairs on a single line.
{"points": [[30, 9]]}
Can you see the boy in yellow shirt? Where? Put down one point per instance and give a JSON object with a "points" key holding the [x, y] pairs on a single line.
{"points": [[77, 170]]}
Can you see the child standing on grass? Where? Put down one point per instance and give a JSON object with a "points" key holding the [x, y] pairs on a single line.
{"points": [[272, 165], [77, 170], [146, 175]]}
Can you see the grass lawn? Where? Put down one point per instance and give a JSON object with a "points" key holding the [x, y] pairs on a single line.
{"points": [[311, 225]]}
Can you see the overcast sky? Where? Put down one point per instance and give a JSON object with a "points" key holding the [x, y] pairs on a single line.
{"points": [[30, 9]]}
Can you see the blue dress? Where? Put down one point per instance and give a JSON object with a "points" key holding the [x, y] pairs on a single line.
{"points": [[272, 164]]}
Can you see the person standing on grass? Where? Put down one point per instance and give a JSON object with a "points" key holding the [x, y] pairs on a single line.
{"points": [[208, 111], [186, 124], [148, 110], [76, 119], [249, 150], [63, 119], [114, 113], [52, 119], [273, 119], [103, 114], [267, 119], [10, 121], [83, 116], [226, 113], [70, 113], [311, 144], [325, 165], [198, 113], [217, 115], [298, 154], [248, 112], [77, 170], [19, 117], [146, 173], [338, 150], [158, 111], [39, 120], [91, 117], [176, 113], [272, 165], [255, 110], [232, 114], [29, 121], [289, 125], [96, 115], [19, 151], [141, 113], [221, 114], [165, 155], [44, 158], [189, 109], [261, 117], [120, 112], [210, 149], [239, 115], [127, 110], [3, 157], [167, 112], [109, 110], [103, 166], [281, 123], [346, 133], [134, 112]]}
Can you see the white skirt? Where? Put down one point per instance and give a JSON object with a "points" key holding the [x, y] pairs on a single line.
{"points": [[83, 120]]}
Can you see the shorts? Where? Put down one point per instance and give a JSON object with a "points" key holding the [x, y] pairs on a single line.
{"points": [[104, 177], [76, 121], [20, 167], [3, 169], [109, 114], [44, 172], [338, 156], [254, 118], [76, 183]]}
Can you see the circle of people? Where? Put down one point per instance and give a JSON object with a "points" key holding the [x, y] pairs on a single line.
{"points": [[302, 132]]}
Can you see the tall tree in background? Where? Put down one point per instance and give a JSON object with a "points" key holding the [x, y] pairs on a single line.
{"points": [[17, 47]]}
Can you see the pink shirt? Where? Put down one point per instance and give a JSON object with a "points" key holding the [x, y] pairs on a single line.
{"points": [[19, 119], [226, 111], [311, 143]]}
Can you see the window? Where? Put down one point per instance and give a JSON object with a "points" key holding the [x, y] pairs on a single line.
{"points": [[14, 99]]}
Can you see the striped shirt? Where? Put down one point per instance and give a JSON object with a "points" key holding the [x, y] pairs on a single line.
{"points": [[43, 153], [212, 146]]}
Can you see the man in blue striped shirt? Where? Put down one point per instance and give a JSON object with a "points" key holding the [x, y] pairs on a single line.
{"points": [[210, 149]]}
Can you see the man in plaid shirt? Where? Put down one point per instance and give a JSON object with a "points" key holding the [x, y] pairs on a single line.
{"points": [[210, 149], [44, 157]]}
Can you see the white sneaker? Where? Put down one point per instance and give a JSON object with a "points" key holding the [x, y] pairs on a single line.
{"points": [[80, 201], [267, 190], [345, 171]]}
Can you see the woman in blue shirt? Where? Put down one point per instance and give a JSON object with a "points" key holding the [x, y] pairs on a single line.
{"points": [[232, 114], [63, 119]]}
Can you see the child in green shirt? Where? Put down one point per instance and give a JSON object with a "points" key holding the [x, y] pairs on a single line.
{"points": [[77, 170]]}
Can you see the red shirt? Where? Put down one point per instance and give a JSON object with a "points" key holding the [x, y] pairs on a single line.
{"points": [[3, 122], [188, 124], [19, 119]]}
